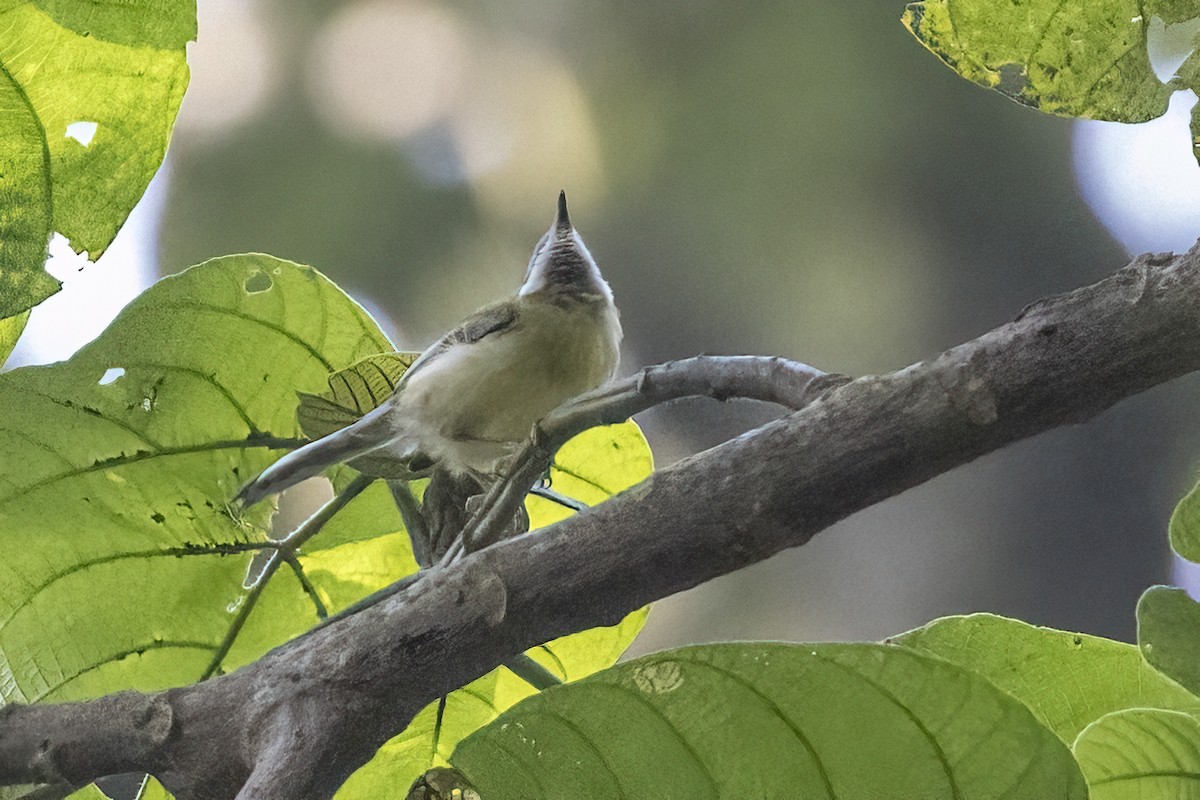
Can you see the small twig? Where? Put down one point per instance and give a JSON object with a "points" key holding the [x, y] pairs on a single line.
{"points": [[546, 493], [532, 672], [769, 379], [293, 561], [287, 545], [313, 525]]}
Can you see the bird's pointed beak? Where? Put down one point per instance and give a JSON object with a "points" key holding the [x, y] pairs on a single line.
{"points": [[562, 223]]}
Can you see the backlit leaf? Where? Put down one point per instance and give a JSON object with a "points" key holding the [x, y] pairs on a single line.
{"points": [[1068, 680], [88, 95], [771, 720]]}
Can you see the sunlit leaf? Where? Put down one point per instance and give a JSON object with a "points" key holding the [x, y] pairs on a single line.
{"points": [[1169, 634], [25, 226], [1075, 58], [353, 391], [153, 790], [1068, 680], [118, 465], [88, 95], [771, 720], [1141, 753]]}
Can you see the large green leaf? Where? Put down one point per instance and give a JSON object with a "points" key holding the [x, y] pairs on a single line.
{"points": [[771, 720], [1068, 680], [1169, 634], [117, 466], [110, 74], [1077, 58], [1141, 754]]}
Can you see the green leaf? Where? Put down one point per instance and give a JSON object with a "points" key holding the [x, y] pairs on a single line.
{"points": [[113, 484], [159, 24], [591, 467], [10, 332], [354, 391], [119, 69], [1184, 528], [771, 720], [1169, 634], [25, 226], [1068, 680], [1141, 753], [1074, 58]]}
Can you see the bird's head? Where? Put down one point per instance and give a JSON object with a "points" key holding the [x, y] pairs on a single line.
{"points": [[561, 264]]}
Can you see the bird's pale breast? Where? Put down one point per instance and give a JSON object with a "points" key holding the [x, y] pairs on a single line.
{"points": [[477, 396]]}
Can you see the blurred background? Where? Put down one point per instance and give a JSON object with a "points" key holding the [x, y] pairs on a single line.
{"points": [[776, 177]]}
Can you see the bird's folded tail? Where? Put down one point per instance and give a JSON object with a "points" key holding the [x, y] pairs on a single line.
{"points": [[369, 433]]}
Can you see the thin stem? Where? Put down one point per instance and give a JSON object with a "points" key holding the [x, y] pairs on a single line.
{"points": [[532, 672], [374, 597], [313, 525], [558, 497], [298, 569], [437, 730], [243, 613], [289, 544]]}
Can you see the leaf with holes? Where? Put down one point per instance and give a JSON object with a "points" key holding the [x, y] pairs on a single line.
{"points": [[88, 95], [1068, 680], [117, 466], [1141, 753], [1072, 58], [771, 720]]}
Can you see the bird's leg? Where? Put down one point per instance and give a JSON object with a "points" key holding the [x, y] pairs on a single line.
{"points": [[445, 508], [451, 499], [516, 525], [542, 489]]}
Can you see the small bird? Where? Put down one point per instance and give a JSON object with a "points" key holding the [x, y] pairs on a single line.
{"points": [[472, 398]]}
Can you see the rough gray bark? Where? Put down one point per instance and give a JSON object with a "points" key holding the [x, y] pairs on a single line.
{"points": [[298, 721]]}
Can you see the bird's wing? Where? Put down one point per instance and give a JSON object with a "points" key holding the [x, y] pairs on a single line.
{"points": [[490, 320]]}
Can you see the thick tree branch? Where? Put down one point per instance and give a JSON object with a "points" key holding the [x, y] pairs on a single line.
{"points": [[298, 721]]}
